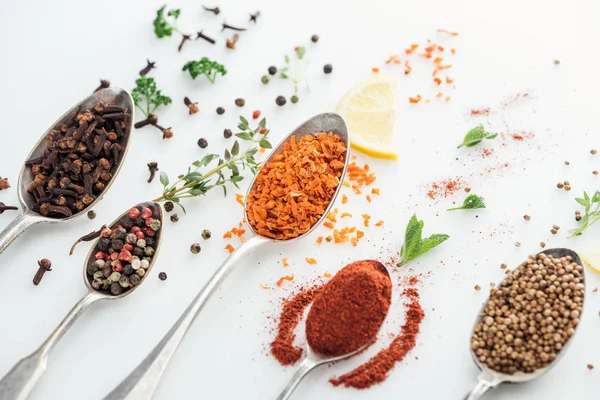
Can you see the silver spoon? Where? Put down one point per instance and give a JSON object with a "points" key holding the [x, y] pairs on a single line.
{"points": [[141, 383], [314, 359], [18, 383], [488, 378], [28, 217]]}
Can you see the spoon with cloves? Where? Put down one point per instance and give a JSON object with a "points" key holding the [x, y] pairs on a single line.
{"points": [[134, 239], [520, 320], [74, 163]]}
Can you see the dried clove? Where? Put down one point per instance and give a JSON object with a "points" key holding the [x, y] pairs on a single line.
{"points": [[87, 238], [4, 183], [184, 38], [233, 28], [104, 83], [151, 120], [207, 38], [230, 43], [254, 16], [192, 106], [215, 10], [151, 65], [152, 167], [4, 207], [44, 265]]}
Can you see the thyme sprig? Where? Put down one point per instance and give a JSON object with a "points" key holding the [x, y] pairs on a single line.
{"points": [[195, 183], [592, 212], [294, 68]]}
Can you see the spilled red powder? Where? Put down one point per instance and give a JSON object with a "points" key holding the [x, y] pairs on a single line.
{"points": [[444, 188], [377, 368], [487, 152], [522, 136], [480, 111]]}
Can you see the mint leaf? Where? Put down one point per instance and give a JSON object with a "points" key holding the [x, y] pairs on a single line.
{"points": [[164, 178], [475, 136], [414, 245], [471, 202]]}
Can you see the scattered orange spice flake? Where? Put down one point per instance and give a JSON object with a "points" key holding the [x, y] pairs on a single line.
{"points": [[376, 70], [227, 235], [346, 215], [354, 241], [285, 278], [439, 95], [359, 234], [440, 48], [430, 49], [229, 248], [344, 198], [332, 215], [265, 287], [368, 197], [327, 275], [320, 240], [447, 98], [328, 238], [448, 32], [375, 191], [415, 100], [328, 224], [445, 66], [438, 60], [240, 199], [407, 68], [449, 80], [285, 262], [453, 51], [311, 261], [380, 223], [356, 189], [346, 184], [361, 176], [413, 47], [437, 80], [262, 150], [393, 59], [427, 101], [353, 157], [425, 55]]}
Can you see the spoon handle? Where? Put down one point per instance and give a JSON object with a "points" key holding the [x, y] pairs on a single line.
{"points": [[303, 369], [15, 228], [142, 381], [484, 383], [18, 383]]}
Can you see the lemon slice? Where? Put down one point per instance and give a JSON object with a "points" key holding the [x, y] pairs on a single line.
{"points": [[368, 109], [592, 260]]}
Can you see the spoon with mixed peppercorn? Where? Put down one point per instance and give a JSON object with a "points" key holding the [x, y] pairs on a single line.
{"points": [[74, 162], [116, 266]]}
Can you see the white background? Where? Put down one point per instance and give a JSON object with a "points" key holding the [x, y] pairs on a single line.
{"points": [[53, 53]]}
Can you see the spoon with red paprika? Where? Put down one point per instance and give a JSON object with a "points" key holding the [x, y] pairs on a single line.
{"points": [[345, 317]]}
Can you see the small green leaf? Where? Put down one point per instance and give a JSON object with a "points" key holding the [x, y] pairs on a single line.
{"points": [[193, 176], [283, 75], [235, 149], [209, 158], [164, 178], [412, 238], [300, 52], [581, 201], [237, 178], [227, 155], [471, 202], [174, 13], [431, 242], [287, 59], [244, 136], [262, 124], [265, 144], [475, 136]]}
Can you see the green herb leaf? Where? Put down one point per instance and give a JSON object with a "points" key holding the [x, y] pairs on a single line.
{"points": [[227, 155], [237, 178], [244, 135], [283, 75], [174, 13], [581, 201], [300, 52], [147, 97], [265, 144], [205, 67], [471, 202], [162, 27], [475, 136], [164, 178], [235, 149], [591, 212], [414, 245], [193, 176]]}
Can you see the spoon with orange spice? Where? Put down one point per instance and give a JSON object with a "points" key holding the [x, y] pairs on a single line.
{"points": [[289, 197], [345, 317]]}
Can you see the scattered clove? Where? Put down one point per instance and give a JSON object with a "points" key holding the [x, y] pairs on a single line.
{"points": [[233, 28], [151, 120], [104, 83], [4, 183], [152, 167], [230, 43], [207, 38], [151, 65], [4, 207], [215, 10], [87, 238], [184, 38], [44, 265], [192, 106], [254, 16], [91, 214]]}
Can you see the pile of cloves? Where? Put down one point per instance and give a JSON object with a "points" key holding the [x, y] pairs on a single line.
{"points": [[80, 160]]}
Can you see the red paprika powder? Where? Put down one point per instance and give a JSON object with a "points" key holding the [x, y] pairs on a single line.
{"points": [[349, 310]]}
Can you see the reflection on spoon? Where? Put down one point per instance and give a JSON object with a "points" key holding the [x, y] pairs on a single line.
{"points": [[18, 383]]}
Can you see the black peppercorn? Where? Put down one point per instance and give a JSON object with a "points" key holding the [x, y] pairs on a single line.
{"points": [[264, 79], [202, 143], [149, 241], [116, 289], [169, 206], [117, 244], [280, 100], [107, 270], [294, 99], [327, 68], [272, 70], [128, 270], [227, 133], [128, 223], [206, 234], [134, 280], [220, 110], [91, 268], [174, 218], [120, 233], [195, 248], [103, 244], [138, 252], [314, 38], [91, 214], [240, 102], [162, 276], [140, 222]]}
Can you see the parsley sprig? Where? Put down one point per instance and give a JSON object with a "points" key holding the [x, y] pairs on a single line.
{"points": [[471, 202], [205, 67], [195, 183], [475, 136], [147, 97], [592, 212], [165, 24], [414, 244]]}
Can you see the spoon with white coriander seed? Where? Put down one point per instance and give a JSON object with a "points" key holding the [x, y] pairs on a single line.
{"points": [[529, 320], [116, 265]]}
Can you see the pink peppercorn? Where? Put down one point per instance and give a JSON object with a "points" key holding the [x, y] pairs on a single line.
{"points": [[140, 235], [100, 255], [128, 246], [114, 228], [117, 267], [106, 232], [263, 131], [114, 256], [134, 213], [108, 259], [149, 232], [125, 255], [135, 230], [146, 212], [149, 221], [255, 114]]}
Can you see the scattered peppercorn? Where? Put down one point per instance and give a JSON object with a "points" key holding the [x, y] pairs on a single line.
{"points": [[162, 276], [590, 366], [595, 172], [272, 70], [220, 110], [206, 234], [314, 38], [264, 79], [240, 102], [294, 99], [542, 244], [477, 287], [169, 206], [91, 214], [560, 185], [556, 227], [578, 217], [4, 183], [202, 143], [567, 163], [193, 107], [526, 217], [556, 62], [195, 248], [467, 189], [280, 100], [174, 218], [518, 244], [567, 187], [593, 152], [227, 133], [327, 68], [503, 266], [553, 231]]}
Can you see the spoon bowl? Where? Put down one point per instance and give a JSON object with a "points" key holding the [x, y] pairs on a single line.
{"points": [[29, 217], [142, 381], [18, 383], [489, 378]]}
